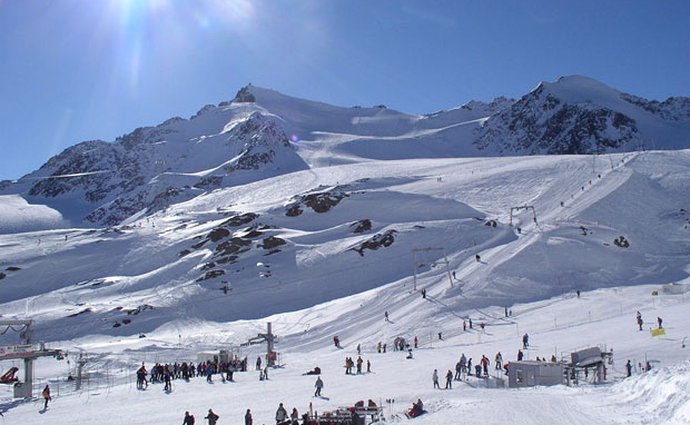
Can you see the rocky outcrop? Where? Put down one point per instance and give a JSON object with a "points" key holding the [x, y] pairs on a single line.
{"points": [[542, 122]]}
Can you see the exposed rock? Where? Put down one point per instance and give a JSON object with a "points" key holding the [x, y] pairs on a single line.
{"points": [[319, 202], [272, 242], [379, 240], [233, 246], [239, 220], [361, 226], [244, 95], [218, 234], [211, 274]]}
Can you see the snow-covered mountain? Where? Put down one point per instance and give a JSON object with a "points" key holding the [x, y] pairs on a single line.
{"points": [[262, 133], [319, 219], [581, 115]]}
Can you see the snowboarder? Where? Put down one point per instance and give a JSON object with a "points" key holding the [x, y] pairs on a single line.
{"points": [[478, 258], [525, 341], [449, 379], [660, 321], [318, 385], [46, 396], [336, 341], [281, 414], [628, 368], [188, 419], [211, 417], [435, 379], [639, 320], [248, 418]]}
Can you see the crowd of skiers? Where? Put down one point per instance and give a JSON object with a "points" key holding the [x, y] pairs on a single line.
{"points": [[166, 373]]}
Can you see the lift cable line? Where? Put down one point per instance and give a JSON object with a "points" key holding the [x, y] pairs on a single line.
{"points": [[444, 261]]}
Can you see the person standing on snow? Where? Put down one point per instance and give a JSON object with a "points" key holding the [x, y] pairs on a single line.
{"points": [[294, 417], [499, 361], [449, 379], [248, 418], [211, 417], [525, 341], [319, 385], [281, 414], [639, 320], [386, 316], [435, 379], [660, 321], [628, 368], [188, 419]]}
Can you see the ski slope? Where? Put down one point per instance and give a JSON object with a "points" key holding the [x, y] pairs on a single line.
{"points": [[78, 284]]}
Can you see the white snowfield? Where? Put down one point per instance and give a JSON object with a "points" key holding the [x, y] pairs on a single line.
{"points": [[94, 291]]}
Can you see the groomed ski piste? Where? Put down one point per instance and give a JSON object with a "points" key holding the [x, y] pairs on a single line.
{"points": [[76, 284]]}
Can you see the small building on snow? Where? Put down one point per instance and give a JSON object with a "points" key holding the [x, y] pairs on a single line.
{"points": [[530, 373]]}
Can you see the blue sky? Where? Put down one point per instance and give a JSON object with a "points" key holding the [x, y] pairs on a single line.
{"points": [[74, 70]]}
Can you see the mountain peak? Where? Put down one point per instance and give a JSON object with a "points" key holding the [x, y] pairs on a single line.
{"points": [[245, 95]]}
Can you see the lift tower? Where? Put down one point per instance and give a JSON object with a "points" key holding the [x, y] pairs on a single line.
{"points": [[26, 351]]}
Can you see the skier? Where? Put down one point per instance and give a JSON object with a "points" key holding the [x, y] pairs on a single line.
{"points": [[525, 341], [458, 370], [386, 316], [281, 414], [294, 417], [359, 365], [628, 368], [424, 293], [359, 349], [336, 341], [368, 366], [449, 379], [520, 355], [212, 417], [435, 378], [485, 365], [660, 321], [499, 361], [46, 396], [258, 363], [188, 419], [319, 385], [247, 418], [416, 341]]}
